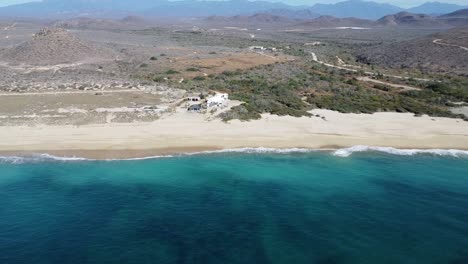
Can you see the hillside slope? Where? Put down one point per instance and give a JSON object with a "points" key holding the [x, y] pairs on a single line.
{"points": [[442, 52], [53, 46]]}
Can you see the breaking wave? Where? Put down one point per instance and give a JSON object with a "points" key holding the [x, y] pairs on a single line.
{"points": [[344, 152], [44, 157], [258, 150], [37, 158]]}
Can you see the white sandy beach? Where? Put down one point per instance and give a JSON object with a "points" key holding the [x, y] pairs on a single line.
{"points": [[183, 132]]}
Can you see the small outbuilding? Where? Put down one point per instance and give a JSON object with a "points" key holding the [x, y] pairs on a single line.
{"points": [[195, 108], [257, 48], [193, 99]]}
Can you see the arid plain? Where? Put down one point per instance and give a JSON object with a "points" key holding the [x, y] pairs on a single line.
{"points": [[103, 88]]}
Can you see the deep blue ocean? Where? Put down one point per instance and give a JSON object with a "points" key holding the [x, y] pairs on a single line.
{"points": [[370, 207]]}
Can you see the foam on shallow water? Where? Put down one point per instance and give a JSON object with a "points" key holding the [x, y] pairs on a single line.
{"points": [[37, 158], [344, 152]]}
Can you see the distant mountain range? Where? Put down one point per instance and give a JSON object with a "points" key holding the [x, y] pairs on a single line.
{"points": [[457, 18], [409, 19], [435, 8], [150, 8], [373, 10], [193, 8], [404, 19], [356, 8]]}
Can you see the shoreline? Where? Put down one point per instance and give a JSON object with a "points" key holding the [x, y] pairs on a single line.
{"points": [[190, 133], [125, 155]]}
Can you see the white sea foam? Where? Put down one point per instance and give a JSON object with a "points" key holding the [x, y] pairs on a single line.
{"points": [[44, 157], [346, 152], [220, 151], [141, 158], [37, 158], [259, 150], [352, 28]]}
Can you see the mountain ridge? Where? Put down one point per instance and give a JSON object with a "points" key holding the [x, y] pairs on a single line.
{"points": [[191, 8]]}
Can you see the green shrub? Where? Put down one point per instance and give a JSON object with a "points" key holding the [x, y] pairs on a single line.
{"points": [[199, 78], [158, 79], [241, 112], [171, 71]]}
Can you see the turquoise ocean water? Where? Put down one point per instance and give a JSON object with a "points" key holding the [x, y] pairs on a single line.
{"points": [[370, 207]]}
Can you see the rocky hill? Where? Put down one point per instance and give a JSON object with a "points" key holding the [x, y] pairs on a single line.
{"points": [[459, 13], [53, 46], [457, 18], [409, 19]]}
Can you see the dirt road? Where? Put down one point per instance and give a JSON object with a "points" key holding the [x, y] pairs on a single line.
{"points": [[401, 86], [315, 58], [440, 42]]}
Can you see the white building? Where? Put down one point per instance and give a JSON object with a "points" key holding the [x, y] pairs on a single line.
{"points": [[257, 48], [314, 43], [218, 100]]}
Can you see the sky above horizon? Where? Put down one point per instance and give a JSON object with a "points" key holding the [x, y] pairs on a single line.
{"points": [[401, 3]]}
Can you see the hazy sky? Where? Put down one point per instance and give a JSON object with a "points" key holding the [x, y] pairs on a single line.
{"points": [[402, 3]]}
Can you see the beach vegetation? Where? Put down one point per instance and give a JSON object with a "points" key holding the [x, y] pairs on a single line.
{"points": [[199, 78], [171, 71]]}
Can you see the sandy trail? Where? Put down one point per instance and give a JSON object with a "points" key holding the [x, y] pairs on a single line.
{"points": [[72, 92], [182, 132], [315, 58], [401, 86], [30, 68]]}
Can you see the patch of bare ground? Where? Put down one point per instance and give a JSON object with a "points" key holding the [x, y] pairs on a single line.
{"points": [[86, 107], [233, 62], [221, 63]]}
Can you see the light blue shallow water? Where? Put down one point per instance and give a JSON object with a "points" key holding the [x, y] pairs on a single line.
{"points": [[237, 208]]}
